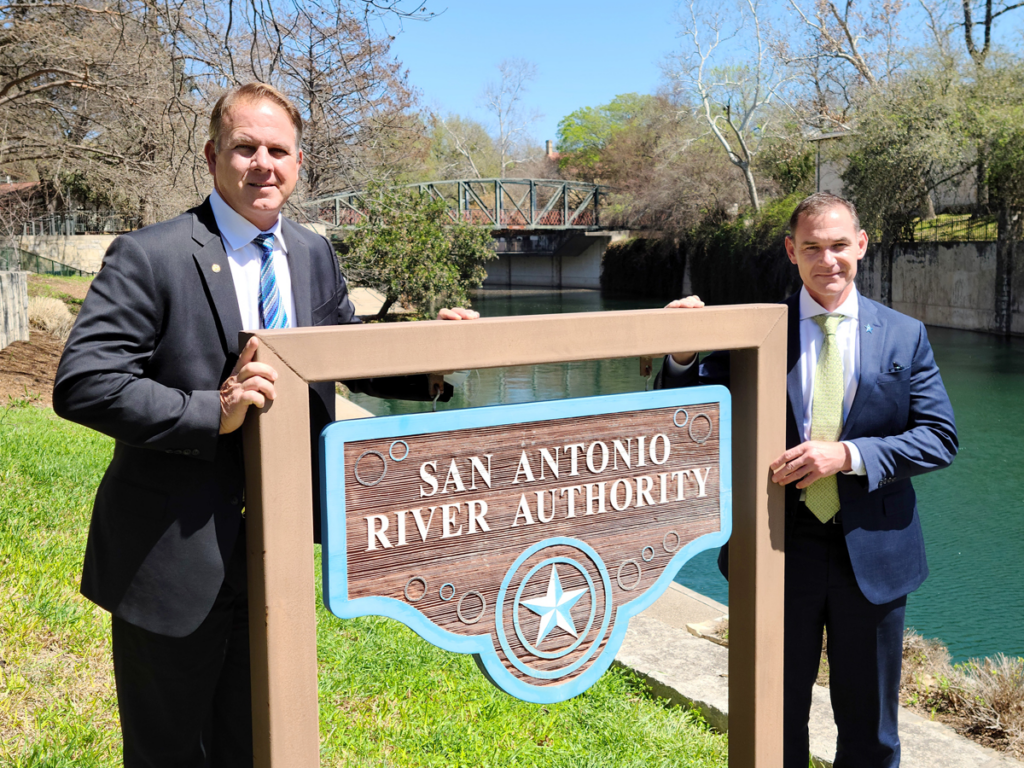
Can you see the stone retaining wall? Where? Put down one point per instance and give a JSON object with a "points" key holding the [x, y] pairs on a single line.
{"points": [[83, 252], [952, 285], [13, 307]]}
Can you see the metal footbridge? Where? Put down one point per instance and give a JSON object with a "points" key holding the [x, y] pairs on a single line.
{"points": [[501, 204]]}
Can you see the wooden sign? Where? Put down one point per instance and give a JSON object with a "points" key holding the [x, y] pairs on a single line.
{"points": [[527, 535]]}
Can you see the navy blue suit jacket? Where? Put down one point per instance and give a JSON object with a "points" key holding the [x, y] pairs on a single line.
{"points": [[902, 422], [156, 337]]}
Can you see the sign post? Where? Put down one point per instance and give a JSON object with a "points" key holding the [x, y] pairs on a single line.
{"points": [[279, 502]]}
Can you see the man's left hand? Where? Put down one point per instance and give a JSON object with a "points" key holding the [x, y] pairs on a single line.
{"points": [[457, 313], [810, 461]]}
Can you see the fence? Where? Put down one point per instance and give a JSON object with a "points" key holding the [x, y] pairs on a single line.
{"points": [[15, 259], [81, 223], [955, 229]]}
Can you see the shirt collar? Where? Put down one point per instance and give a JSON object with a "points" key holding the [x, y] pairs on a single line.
{"points": [[810, 308], [236, 230]]}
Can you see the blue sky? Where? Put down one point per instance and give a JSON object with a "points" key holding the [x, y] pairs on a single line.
{"points": [[586, 53]]}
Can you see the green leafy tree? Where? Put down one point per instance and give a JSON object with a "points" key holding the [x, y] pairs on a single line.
{"points": [[664, 170], [789, 162], [408, 248], [1002, 133], [911, 139], [584, 135]]}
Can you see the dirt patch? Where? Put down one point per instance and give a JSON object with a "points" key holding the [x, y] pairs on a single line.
{"points": [[28, 368]]}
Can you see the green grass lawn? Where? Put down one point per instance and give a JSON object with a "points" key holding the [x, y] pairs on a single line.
{"points": [[956, 227], [387, 698]]}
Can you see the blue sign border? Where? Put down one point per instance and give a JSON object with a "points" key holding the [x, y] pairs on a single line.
{"points": [[482, 646]]}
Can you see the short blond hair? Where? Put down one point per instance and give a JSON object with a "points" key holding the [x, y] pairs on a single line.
{"points": [[252, 93]]}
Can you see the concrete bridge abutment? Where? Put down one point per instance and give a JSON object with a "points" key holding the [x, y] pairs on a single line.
{"points": [[572, 260]]}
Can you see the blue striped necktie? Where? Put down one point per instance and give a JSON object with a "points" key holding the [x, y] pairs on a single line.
{"points": [[272, 311]]}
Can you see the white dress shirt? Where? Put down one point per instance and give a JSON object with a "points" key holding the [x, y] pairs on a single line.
{"points": [[244, 258], [811, 340]]}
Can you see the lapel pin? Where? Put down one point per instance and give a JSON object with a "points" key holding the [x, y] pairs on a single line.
{"points": [[215, 267], [868, 329]]}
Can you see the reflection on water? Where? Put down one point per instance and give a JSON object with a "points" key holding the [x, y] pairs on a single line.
{"points": [[973, 513]]}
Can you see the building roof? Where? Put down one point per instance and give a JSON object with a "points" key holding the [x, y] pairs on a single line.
{"points": [[19, 186]]}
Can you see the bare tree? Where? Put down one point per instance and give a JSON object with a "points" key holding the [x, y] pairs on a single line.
{"points": [[983, 17], [15, 211], [731, 99], [845, 51], [351, 92], [110, 97], [504, 100], [85, 90], [867, 43], [461, 148]]}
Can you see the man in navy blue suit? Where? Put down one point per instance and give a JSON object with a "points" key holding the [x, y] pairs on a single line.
{"points": [[854, 547]]}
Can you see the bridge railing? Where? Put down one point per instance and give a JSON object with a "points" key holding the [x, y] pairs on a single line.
{"points": [[494, 203]]}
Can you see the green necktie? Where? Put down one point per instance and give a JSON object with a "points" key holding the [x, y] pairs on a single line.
{"points": [[827, 415]]}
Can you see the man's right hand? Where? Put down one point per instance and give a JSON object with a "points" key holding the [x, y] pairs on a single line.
{"points": [[249, 384], [689, 302]]}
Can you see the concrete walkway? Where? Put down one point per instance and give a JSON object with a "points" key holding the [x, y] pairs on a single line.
{"points": [[367, 301], [691, 671]]}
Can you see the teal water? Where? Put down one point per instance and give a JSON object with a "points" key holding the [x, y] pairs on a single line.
{"points": [[973, 512]]}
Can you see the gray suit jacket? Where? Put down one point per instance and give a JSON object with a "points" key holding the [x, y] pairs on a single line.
{"points": [[156, 337]]}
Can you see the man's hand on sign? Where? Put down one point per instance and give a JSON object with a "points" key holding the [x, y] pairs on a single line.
{"points": [[688, 302], [810, 461], [457, 313], [249, 384]]}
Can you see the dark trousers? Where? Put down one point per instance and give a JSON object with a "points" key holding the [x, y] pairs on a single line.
{"points": [[185, 701], [865, 650]]}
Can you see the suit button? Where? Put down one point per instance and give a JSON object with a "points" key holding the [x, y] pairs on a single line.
{"points": [[234, 501]]}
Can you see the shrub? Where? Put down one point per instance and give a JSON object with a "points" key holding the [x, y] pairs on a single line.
{"points": [[643, 267], [986, 697], [50, 315], [744, 261]]}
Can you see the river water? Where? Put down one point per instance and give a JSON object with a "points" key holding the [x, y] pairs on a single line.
{"points": [[972, 513]]}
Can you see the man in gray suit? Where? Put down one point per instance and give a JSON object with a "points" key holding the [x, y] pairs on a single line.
{"points": [[153, 361]]}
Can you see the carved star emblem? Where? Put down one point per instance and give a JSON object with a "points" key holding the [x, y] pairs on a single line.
{"points": [[555, 607]]}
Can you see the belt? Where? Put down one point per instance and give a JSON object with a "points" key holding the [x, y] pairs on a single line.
{"points": [[837, 519]]}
